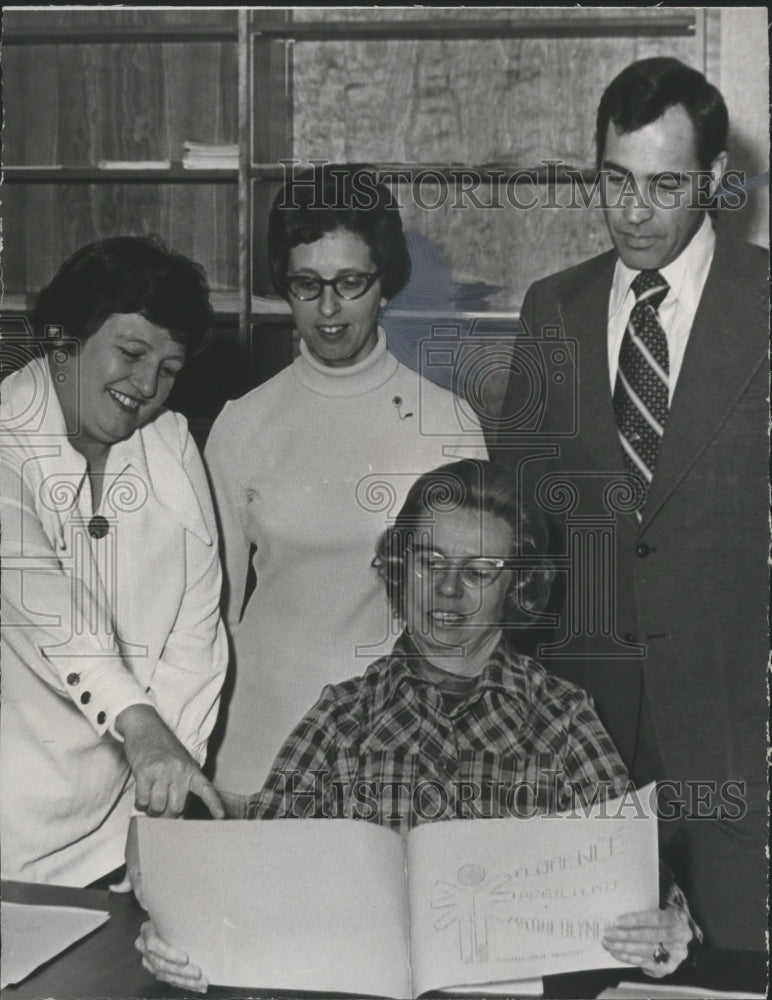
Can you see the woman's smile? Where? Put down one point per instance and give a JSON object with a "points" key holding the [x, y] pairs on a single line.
{"points": [[127, 403], [447, 618], [333, 332]]}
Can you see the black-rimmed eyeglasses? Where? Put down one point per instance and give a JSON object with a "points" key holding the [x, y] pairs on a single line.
{"points": [[351, 285]]}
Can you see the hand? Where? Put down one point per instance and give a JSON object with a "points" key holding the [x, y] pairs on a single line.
{"points": [[167, 962], [164, 771], [634, 937], [235, 804]]}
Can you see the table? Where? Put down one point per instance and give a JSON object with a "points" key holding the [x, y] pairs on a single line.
{"points": [[106, 965]]}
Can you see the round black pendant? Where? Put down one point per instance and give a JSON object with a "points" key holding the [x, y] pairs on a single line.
{"points": [[98, 526]]}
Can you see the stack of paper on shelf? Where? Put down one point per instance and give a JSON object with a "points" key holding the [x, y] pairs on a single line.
{"points": [[134, 164], [210, 156]]}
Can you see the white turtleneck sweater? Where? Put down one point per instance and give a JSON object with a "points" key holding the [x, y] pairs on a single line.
{"points": [[309, 468]]}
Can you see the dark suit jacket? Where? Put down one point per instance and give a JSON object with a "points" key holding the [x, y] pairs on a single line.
{"points": [[691, 591]]}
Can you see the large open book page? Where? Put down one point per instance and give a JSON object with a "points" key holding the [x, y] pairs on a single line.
{"points": [[282, 904], [506, 899]]}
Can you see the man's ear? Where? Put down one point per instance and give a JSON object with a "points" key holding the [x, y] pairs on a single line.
{"points": [[717, 170]]}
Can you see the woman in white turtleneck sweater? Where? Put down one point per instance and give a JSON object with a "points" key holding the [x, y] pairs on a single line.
{"points": [[309, 467]]}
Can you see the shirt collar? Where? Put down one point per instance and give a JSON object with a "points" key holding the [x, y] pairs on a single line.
{"points": [[33, 413], [504, 672], [685, 275], [146, 456], [353, 380]]}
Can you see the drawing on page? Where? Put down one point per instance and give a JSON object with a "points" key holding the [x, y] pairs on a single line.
{"points": [[470, 903]]}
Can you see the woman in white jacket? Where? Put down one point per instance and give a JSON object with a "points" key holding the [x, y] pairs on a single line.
{"points": [[113, 649]]}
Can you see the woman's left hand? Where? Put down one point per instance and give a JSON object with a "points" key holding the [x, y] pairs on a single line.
{"points": [[637, 938], [168, 963]]}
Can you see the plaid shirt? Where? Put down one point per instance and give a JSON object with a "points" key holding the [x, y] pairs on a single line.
{"points": [[384, 747]]}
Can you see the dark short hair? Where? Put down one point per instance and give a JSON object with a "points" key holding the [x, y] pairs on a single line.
{"points": [[335, 196], [476, 486], [645, 90], [126, 274]]}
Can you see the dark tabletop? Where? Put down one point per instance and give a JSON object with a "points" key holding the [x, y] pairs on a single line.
{"points": [[106, 965]]}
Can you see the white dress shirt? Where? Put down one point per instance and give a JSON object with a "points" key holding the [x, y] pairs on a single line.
{"points": [[686, 276], [94, 625]]}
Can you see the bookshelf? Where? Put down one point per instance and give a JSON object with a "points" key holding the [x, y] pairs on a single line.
{"points": [[122, 85]]}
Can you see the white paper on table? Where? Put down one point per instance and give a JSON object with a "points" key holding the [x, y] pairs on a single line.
{"points": [[668, 991], [281, 904], [505, 899], [32, 934], [512, 988]]}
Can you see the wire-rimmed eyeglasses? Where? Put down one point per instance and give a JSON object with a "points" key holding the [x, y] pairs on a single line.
{"points": [[351, 285]]}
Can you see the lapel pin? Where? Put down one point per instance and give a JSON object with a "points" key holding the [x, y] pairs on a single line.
{"points": [[397, 401]]}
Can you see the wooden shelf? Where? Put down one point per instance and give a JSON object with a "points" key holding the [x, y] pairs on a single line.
{"points": [[225, 302], [488, 173], [278, 310], [16, 302], [94, 175], [567, 26], [106, 34], [269, 306]]}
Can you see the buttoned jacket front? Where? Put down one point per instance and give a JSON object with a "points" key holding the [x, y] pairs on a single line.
{"points": [[93, 624]]}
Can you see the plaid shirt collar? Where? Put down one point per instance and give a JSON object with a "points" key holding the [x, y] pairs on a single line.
{"points": [[504, 672]]}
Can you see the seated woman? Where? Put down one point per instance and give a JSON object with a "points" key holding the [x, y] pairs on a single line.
{"points": [[454, 703], [113, 649]]}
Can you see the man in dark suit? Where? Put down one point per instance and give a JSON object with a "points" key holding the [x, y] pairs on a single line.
{"points": [[657, 465]]}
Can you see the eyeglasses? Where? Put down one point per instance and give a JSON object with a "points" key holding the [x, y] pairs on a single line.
{"points": [[475, 571], [351, 285]]}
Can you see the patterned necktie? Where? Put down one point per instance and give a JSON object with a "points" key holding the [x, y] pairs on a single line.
{"points": [[641, 390]]}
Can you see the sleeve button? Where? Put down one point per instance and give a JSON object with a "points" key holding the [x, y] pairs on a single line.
{"points": [[101, 718], [73, 679], [85, 698]]}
